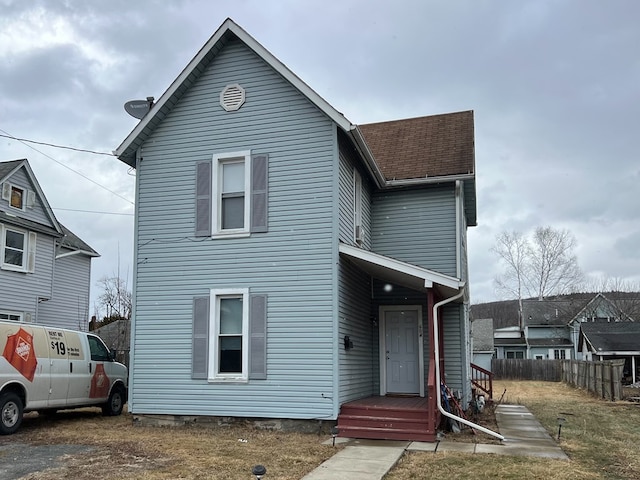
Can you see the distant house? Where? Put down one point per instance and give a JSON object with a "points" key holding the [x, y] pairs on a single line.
{"points": [[550, 328], [613, 341], [44, 268], [289, 263], [483, 342]]}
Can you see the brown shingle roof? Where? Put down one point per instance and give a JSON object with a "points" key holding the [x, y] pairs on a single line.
{"points": [[432, 146]]}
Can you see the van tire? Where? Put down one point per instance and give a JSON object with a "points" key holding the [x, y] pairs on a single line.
{"points": [[11, 410], [114, 405]]}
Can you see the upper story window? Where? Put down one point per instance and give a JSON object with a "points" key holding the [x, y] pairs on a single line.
{"points": [[17, 197], [17, 249], [232, 195], [357, 207]]}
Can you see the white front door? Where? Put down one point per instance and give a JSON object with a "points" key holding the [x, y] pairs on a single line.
{"points": [[401, 349]]}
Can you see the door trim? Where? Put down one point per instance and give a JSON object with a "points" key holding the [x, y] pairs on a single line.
{"points": [[382, 344]]}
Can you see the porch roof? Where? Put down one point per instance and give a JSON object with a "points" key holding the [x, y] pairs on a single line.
{"points": [[400, 273]]}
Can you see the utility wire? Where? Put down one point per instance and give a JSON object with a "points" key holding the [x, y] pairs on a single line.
{"points": [[24, 142], [93, 211]]}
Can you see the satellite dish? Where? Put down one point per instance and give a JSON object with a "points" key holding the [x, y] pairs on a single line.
{"points": [[138, 108]]}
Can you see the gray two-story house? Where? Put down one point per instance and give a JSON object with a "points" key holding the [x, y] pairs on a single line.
{"points": [[290, 264], [45, 269]]}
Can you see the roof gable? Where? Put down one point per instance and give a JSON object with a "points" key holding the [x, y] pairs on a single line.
{"points": [[8, 169]]}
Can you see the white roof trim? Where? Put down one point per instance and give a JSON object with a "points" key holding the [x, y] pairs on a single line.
{"points": [[281, 68], [412, 275]]}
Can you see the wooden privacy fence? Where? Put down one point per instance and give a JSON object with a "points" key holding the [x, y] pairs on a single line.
{"points": [[603, 379], [524, 369]]}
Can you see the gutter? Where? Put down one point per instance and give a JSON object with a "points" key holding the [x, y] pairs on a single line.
{"points": [[438, 381]]}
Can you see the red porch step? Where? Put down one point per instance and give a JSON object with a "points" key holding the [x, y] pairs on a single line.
{"points": [[386, 418]]}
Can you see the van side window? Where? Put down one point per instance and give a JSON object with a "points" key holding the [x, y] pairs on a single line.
{"points": [[99, 352]]}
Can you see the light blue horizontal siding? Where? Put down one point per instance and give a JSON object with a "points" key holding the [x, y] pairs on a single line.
{"points": [[69, 303], [291, 263], [454, 346], [417, 226], [358, 367]]}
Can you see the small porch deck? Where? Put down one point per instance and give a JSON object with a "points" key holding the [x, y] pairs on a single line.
{"points": [[388, 418]]}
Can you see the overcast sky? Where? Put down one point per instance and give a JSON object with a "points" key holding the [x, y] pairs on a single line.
{"points": [[555, 87]]}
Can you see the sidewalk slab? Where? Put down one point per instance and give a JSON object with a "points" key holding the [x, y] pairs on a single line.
{"points": [[359, 462]]}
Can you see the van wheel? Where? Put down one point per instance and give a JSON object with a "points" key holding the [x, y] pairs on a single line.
{"points": [[10, 413], [114, 405]]}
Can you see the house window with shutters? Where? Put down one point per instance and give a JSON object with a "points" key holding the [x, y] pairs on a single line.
{"points": [[18, 197], [229, 336], [17, 249], [231, 195]]}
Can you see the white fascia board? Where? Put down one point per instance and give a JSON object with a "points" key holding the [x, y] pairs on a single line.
{"points": [[430, 277], [281, 68], [77, 252]]}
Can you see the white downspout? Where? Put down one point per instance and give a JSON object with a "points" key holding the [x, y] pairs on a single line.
{"points": [[438, 382]]}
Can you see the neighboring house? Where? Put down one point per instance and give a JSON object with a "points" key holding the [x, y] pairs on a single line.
{"points": [[44, 268], [116, 336], [288, 262], [613, 341], [483, 342], [549, 328]]}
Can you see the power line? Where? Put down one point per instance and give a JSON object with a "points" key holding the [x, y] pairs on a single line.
{"points": [[93, 211], [25, 140], [8, 135]]}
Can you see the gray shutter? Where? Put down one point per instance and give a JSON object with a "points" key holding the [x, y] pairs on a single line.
{"points": [[259, 192], [203, 199], [258, 337], [200, 347]]}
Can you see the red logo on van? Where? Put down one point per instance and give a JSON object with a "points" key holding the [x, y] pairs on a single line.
{"points": [[20, 354], [99, 383]]}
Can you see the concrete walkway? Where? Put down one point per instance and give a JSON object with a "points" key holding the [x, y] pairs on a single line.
{"points": [[372, 459]]}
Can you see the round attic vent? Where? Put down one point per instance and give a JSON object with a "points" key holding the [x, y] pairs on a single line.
{"points": [[232, 97]]}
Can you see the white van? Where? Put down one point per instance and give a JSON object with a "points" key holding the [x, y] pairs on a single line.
{"points": [[47, 369]]}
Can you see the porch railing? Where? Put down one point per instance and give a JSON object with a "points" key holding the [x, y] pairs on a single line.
{"points": [[482, 379], [432, 391]]}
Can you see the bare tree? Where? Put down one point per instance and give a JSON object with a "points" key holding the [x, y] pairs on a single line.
{"points": [[115, 300], [554, 266], [514, 250], [538, 267]]}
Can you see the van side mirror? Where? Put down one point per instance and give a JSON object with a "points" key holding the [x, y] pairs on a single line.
{"points": [[112, 355]]}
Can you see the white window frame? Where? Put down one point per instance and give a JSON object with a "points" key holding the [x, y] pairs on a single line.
{"points": [[218, 161], [567, 353], [515, 354], [214, 328], [358, 233], [5, 316], [25, 249]]}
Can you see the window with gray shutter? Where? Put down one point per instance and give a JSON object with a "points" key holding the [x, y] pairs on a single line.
{"points": [[203, 199], [200, 348], [259, 191], [258, 337]]}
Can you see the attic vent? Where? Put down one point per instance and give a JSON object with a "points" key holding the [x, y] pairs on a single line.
{"points": [[232, 97]]}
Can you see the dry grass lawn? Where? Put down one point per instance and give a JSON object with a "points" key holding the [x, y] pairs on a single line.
{"points": [[601, 438]]}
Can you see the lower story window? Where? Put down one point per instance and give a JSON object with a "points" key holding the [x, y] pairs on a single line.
{"points": [[560, 354], [12, 316], [229, 323], [515, 354]]}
